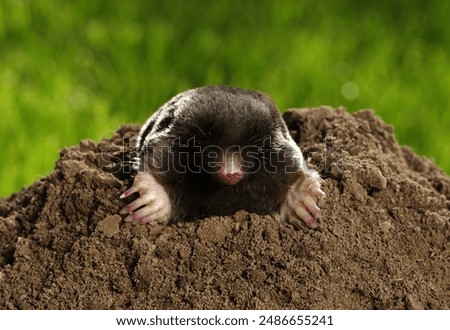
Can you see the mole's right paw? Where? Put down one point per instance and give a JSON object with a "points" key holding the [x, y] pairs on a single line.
{"points": [[300, 204], [153, 204]]}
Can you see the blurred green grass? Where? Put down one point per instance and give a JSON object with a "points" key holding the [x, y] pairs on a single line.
{"points": [[72, 70]]}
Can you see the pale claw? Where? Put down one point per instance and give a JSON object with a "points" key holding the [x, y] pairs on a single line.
{"points": [[129, 192], [146, 198], [153, 203], [300, 204]]}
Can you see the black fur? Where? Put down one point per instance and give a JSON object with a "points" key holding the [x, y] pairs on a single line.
{"points": [[219, 118], [143, 136]]}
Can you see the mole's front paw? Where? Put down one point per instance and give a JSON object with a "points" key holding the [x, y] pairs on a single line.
{"points": [[301, 201], [153, 204]]}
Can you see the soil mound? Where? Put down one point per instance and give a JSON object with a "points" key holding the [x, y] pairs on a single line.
{"points": [[383, 241]]}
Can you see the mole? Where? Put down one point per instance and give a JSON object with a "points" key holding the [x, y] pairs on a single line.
{"points": [[215, 150]]}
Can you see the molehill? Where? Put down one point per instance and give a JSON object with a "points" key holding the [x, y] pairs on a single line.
{"points": [[383, 241]]}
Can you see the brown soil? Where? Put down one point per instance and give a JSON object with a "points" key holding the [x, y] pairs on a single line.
{"points": [[383, 241]]}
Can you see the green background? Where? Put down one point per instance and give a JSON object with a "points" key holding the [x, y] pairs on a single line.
{"points": [[72, 70]]}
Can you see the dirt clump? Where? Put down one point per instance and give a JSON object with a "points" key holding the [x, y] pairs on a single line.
{"points": [[383, 241]]}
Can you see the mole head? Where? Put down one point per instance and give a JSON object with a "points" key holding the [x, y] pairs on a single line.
{"points": [[228, 136], [230, 131]]}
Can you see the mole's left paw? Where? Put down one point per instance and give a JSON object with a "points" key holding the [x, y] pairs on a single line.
{"points": [[153, 204], [301, 201]]}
